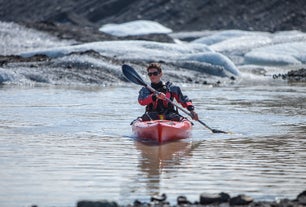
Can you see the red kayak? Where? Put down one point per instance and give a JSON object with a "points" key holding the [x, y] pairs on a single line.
{"points": [[162, 130]]}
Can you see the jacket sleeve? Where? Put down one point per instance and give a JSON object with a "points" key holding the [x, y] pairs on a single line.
{"points": [[145, 97], [182, 99]]}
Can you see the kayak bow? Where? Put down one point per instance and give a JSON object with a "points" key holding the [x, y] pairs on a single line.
{"points": [[162, 130]]}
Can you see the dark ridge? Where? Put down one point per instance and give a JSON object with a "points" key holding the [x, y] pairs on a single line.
{"points": [[262, 15]]}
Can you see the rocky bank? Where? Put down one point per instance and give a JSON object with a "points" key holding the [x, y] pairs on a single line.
{"points": [[80, 20], [205, 200]]}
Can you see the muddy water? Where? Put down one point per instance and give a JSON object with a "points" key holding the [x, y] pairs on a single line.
{"points": [[60, 145]]}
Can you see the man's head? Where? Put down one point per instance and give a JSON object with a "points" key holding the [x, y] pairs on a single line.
{"points": [[155, 72]]}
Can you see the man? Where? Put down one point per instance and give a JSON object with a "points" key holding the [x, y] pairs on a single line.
{"points": [[157, 107]]}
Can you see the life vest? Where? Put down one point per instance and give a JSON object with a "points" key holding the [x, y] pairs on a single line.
{"points": [[161, 106], [148, 99]]}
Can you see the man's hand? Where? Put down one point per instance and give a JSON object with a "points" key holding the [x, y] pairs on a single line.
{"points": [[161, 96], [194, 115]]}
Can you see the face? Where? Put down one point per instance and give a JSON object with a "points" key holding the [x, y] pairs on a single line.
{"points": [[154, 75]]}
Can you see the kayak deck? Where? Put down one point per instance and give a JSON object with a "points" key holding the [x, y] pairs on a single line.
{"points": [[162, 130]]}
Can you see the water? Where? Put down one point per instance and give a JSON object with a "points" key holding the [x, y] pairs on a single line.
{"points": [[64, 144]]}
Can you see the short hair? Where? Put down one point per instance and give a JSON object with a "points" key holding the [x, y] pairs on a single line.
{"points": [[155, 65]]}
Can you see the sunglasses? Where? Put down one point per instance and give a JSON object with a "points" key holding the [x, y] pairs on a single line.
{"points": [[153, 73]]}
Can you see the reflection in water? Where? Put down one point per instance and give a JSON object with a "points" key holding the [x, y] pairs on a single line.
{"points": [[155, 159], [256, 166]]}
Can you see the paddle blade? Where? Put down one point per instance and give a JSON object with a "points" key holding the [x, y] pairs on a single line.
{"points": [[132, 75], [218, 131], [212, 130]]}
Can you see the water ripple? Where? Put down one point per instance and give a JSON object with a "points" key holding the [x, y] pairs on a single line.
{"points": [[70, 147]]}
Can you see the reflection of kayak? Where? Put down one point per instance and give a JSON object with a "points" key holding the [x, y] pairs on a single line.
{"points": [[162, 130], [155, 157]]}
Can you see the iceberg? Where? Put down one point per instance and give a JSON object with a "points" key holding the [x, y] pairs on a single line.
{"points": [[128, 50], [194, 55], [211, 63], [138, 27], [225, 35], [241, 44], [279, 54]]}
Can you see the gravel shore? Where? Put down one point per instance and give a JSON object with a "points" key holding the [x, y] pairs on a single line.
{"points": [[220, 199]]}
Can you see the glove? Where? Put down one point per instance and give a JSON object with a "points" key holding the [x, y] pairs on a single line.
{"points": [[194, 115], [161, 96], [154, 97], [190, 108]]}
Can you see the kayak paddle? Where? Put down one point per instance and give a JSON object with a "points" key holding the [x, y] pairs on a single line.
{"points": [[134, 77]]}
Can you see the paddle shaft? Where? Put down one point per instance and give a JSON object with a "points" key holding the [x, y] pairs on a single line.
{"points": [[181, 108], [169, 100]]}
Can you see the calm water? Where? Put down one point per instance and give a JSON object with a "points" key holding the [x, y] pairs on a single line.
{"points": [[60, 145]]}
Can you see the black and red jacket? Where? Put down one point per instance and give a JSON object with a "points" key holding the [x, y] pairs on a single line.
{"points": [[148, 98]]}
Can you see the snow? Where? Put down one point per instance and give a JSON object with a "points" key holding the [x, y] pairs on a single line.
{"points": [[280, 48], [138, 27]]}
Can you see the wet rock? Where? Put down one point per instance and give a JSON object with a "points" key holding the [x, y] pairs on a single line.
{"points": [[216, 200], [285, 203], [138, 203], [297, 75], [103, 203], [158, 198], [263, 204], [293, 75], [241, 200], [206, 199], [182, 200], [301, 198], [158, 201]]}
